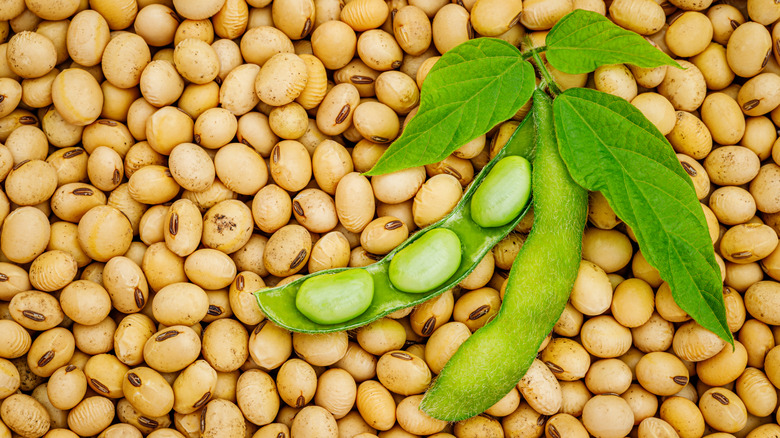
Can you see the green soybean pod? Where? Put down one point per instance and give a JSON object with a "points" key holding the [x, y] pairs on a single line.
{"points": [[335, 298], [279, 303], [537, 290], [427, 263], [503, 193]]}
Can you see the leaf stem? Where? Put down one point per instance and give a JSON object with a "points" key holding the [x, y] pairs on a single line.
{"points": [[530, 53], [546, 76]]}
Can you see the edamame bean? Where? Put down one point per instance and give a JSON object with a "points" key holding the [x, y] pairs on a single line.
{"points": [[503, 193], [426, 263], [335, 298]]}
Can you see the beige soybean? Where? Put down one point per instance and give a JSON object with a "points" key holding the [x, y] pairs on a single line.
{"points": [[723, 410], [222, 418], [296, 382], [412, 29], [354, 201], [763, 188], [607, 416], [31, 182], [602, 336], [66, 387], [271, 208], [336, 392], [748, 242], [685, 89], [24, 415], [9, 378], [633, 302], [180, 304], [330, 251], [290, 165], [227, 226], [289, 121], [282, 79], [168, 127], [210, 269], [124, 59], [360, 364], [52, 270], [399, 186], [701, 181], [105, 168], [49, 351], [758, 340], [608, 376], [379, 50], [148, 391], [334, 43], [732, 205], [130, 336], [493, 18], [756, 392], [315, 210], [182, 228], [172, 349], [617, 80], [104, 373], [214, 128], [592, 292], [194, 387], [642, 16], [694, 343], [27, 142], [689, 34], [334, 115], [237, 94], [724, 367], [225, 345], [749, 49], [661, 373], [269, 345], [759, 95], [126, 284], [435, 199], [477, 307], [540, 389], [191, 167], [153, 184], [759, 301], [714, 66], [287, 251], [94, 339], [723, 118], [257, 397], [450, 27], [16, 341], [383, 234], [443, 343], [320, 349], [403, 373], [413, 420], [30, 54], [381, 336], [566, 358], [330, 163], [35, 310], [683, 415], [376, 405], [85, 302]]}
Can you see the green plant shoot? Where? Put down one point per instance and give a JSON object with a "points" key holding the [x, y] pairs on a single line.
{"points": [[606, 144]]}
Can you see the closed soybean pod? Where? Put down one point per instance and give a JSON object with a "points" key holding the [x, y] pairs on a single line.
{"points": [[279, 303], [537, 290]]}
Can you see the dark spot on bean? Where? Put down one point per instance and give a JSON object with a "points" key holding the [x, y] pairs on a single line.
{"points": [[401, 355], [276, 154], [83, 191], [3, 277], [722, 399], [373, 256], [306, 28], [214, 310], [70, 368], [28, 120], [553, 432], [427, 328], [734, 24], [689, 169], [73, 153], [479, 312], [240, 282], [742, 254], [203, 420], [299, 402], [680, 380], [202, 401], [246, 142], [393, 225], [343, 113], [166, 335], [107, 122], [470, 30], [134, 379], [452, 171], [378, 139], [175, 17], [298, 259], [20, 164], [361, 80], [555, 368], [35, 316], [46, 358], [766, 58], [148, 422], [168, 173], [298, 209], [750, 104], [541, 420], [99, 386], [173, 224], [138, 294], [260, 326], [2, 98], [116, 178], [281, 435], [515, 20], [395, 64]]}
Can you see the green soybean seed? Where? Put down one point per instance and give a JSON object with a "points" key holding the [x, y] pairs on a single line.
{"points": [[426, 263], [335, 298], [503, 193]]}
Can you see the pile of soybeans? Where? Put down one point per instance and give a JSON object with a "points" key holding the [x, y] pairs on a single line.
{"points": [[160, 160]]}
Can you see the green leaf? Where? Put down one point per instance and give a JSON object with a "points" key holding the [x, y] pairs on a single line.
{"points": [[609, 146], [472, 88], [584, 40]]}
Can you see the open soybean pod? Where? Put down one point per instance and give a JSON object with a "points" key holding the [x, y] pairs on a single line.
{"points": [[284, 306]]}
